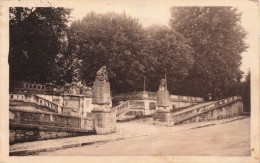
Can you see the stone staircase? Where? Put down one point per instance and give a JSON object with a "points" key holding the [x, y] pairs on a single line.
{"points": [[221, 109], [33, 118], [33, 102], [129, 106]]}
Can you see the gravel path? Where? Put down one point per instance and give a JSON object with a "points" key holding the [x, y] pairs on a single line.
{"points": [[138, 128], [226, 139]]}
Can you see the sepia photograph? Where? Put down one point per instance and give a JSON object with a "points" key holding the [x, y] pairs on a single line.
{"points": [[130, 78]]}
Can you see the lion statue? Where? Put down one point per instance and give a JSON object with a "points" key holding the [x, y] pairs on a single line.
{"points": [[102, 74], [163, 85]]}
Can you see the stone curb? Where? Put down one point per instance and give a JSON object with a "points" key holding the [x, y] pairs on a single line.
{"points": [[25, 152]]}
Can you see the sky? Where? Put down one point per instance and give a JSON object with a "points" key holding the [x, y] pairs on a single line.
{"points": [[158, 12]]}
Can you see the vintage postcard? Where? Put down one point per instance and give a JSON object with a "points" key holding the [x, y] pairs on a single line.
{"points": [[129, 81]]}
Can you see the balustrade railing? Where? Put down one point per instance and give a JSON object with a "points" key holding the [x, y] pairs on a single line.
{"points": [[35, 99], [182, 116], [186, 98], [121, 108], [43, 118], [153, 96], [127, 105]]}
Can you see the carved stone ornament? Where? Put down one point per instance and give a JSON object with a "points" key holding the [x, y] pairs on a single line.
{"points": [[163, 85], [102, 74], [101, 88]]}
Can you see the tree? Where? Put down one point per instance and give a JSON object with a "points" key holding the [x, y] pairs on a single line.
{"points": [[37, 37], [114, 40], [170, 52], [217, 37]]}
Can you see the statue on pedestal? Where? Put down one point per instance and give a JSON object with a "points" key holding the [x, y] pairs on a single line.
{"points": [[105, 117], [101, 91], [163, 97], [163, 115], [163, 85]]}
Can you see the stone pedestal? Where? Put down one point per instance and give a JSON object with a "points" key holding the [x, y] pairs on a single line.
{"points": [[163, 98], [105, 118], [163, 118], [163, 115], [105, 122], [101, 92]]}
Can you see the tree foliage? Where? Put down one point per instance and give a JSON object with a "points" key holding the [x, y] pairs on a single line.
{"points": [[36, 39], [200, 51], [171, 53], [217, 37], [130, 52], [111, 39]]}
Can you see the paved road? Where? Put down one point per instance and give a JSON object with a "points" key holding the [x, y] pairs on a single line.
{"points": [[228, 139]]}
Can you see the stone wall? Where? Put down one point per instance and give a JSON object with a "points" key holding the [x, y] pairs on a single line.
{"points": [[36, 125], [88, 106], [43, 118], [72, 105], [25, 132], [89, 123]]}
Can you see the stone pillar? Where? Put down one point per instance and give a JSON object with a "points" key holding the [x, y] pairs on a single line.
{"points": [[146, 107], [105, 118], [163, 115], [60, 104], [81, 110]]}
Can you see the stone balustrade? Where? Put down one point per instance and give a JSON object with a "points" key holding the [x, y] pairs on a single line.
{"points": [[193, 112], [43, 118], [153, 96], [37, 125], [130, 104], [186, 98], [136, 104], [33, 88], [221, 109], [121, 108], [35, 99], [129, 96]]}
